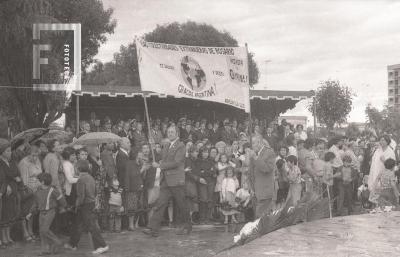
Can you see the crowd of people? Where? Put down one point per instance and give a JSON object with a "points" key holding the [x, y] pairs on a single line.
{"points": [[233, 172]]}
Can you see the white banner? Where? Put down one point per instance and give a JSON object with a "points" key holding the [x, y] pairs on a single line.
{"points": [[218, 74]]}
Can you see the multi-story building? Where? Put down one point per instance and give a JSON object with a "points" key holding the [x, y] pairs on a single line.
{"points": [[393, 86]]}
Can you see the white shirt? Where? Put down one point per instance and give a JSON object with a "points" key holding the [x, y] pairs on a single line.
{"points": [[173, 142], [124, 151], [69, 172], [292, 151], [302, 135], [337, 162]]}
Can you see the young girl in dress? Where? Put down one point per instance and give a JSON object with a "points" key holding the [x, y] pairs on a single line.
{"points": [[228, 192], [294, 176], [221, 167], [115, 206]]}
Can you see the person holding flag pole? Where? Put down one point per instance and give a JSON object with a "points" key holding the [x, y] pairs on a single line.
{"points": [[190, 72], [172, 182]]}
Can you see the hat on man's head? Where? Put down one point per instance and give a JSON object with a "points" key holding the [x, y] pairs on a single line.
{"points": [[4, 144]]}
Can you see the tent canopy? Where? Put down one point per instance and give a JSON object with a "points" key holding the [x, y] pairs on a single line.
{"points": [[119, 102]]}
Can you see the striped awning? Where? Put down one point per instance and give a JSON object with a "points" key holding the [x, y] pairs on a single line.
{"points": [[127, 91]]}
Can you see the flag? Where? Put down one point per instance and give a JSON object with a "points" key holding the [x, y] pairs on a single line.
{"points": [[217, 74]]}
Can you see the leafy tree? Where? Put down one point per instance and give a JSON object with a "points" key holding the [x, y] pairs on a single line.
{"points": [[333, 103], [386, 121], [375, 118], [125, 63], [33, 108], [352, 131]]}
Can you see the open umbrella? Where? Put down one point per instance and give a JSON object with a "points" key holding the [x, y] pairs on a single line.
{"points": [[28, 136], [60, 135], [97, 138]]}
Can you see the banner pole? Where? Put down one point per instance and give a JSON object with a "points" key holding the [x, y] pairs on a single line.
{"points": [[254, 200], [77, 116], [151, 139], [250, 119]]}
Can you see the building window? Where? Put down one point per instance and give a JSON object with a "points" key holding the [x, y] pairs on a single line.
{"points": [[390, 82], [396, 73], [396, 100], [390, 91], [396, 82], [396, 91], [390, 99], [390, 74]]}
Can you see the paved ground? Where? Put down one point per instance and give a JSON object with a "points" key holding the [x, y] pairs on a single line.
{"points": [[204, 241], [372, 235]]}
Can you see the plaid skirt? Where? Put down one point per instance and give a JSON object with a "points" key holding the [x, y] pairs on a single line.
{"points": [[133, 202]]}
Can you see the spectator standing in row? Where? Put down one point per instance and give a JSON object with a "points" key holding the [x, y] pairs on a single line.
{"points": [[262, 167]]}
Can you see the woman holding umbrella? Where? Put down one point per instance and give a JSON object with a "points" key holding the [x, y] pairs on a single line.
{"points": [[99, 175]]}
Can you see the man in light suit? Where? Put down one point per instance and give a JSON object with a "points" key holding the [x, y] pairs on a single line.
{"points": [[262, 168], [172, 184]]}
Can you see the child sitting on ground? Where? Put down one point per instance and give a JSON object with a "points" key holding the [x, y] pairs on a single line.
{"points": [[228, 191], [47, 199], [363, 194], [115, 206]]}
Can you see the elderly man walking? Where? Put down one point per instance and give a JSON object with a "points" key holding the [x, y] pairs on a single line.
{"points": [[172, 184], [262, 168]]}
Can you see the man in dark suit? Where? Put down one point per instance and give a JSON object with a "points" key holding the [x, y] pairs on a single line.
{"points": [[272, 139], [122, 159], [188, 134], [172, 184], [126, 131], [227, 134], [262, 171], [215, 134]]}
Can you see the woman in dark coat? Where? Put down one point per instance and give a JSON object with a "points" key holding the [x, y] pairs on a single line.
{"points": [[206, 190], [151, 183], [9, 209], [192, 179], [133, 191]]}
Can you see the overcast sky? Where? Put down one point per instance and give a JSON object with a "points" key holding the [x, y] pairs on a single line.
{"points": [[296, 43]]}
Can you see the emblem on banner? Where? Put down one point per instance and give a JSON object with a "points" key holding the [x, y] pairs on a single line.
{"points": [[192, 73]]}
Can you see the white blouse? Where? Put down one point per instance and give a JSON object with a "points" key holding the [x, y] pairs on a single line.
{"points": [[69, 172]]}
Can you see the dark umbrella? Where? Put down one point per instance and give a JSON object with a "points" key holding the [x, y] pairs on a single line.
{"points": [[28, 136]]}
